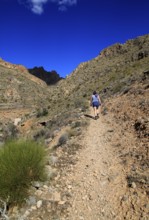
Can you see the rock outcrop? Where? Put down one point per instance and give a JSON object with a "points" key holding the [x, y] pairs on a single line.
{"points": [[49, 77]]}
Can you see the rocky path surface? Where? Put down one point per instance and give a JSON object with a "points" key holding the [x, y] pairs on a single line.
{"points": [[100, 180], [98, 183]]}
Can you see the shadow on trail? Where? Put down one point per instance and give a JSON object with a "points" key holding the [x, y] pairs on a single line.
{"points": [[89, 116]]}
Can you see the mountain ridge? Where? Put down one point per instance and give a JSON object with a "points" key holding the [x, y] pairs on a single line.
{"points": [[51, 77], [61, 115], [112, 71]]}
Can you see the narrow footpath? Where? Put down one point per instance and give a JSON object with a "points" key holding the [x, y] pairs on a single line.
{"points": [[98, 183]]}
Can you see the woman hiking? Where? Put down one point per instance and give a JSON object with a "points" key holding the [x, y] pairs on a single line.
{"points": [[95, 103]]}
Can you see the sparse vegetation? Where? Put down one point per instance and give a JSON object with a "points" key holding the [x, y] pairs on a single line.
{"points": [[120, 76], [42, 112], [63, 139], [73, 132], [76, 124], [9, 131]]}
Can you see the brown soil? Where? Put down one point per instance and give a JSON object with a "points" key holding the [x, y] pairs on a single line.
{"points": [[98, 181], [108, 177], [99, 184], [10, 114]]}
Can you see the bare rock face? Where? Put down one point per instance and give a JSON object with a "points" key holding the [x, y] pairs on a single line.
{"points": [[112, 51], [12, 66], [48, 77], [138, 49]]}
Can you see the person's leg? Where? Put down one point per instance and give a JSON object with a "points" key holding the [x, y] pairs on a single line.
{"points": [[95, 111], [98, 110]]}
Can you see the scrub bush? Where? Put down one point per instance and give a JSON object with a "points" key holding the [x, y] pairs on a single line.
{"points": [[42, 112], [63, 139], [21, 162]]}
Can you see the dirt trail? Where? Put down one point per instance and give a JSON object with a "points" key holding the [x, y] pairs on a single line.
{"points": [[97, 182]]}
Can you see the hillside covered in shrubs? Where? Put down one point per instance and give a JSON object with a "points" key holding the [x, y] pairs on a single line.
{"points": [[55, 119]]}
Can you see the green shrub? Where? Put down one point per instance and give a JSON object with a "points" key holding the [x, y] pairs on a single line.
{"points": [[72, 132], [76, 124], [63, 139], [9, 131], [39, 134], [42, 112], [21, 162]]}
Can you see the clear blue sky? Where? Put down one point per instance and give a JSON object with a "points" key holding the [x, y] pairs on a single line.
{"points": [[60, 34]]}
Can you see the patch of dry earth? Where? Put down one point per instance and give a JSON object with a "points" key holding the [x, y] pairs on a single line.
{"points": [[98, 181]]}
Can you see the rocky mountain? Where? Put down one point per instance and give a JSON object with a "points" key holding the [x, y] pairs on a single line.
{"points": [[111, 73], [19, 88], [120, 73], [49, 77]]}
